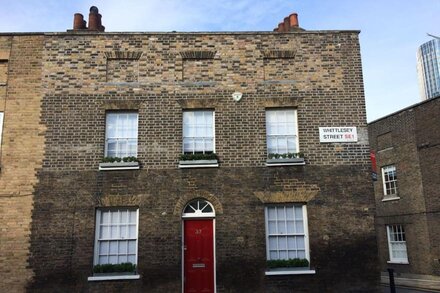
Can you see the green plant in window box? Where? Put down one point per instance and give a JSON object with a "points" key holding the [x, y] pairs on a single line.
{"points": [[287, 263], [126, 267], [197, 157], [285, 155], [118, 160]]}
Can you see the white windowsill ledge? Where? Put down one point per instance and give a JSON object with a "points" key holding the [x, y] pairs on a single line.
{"points": [[391, 198], [198, 164], [118, 166], [113, 278], [290, 272], [398, 262]]}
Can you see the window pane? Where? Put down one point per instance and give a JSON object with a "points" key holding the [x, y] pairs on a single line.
{"points": [[199, 145], [103, 247], [272, 227], [281, 213], [290, 227], [282, 243], [133, 215], [132, 231], [281, 227], [289, 213], [273, 243], [132, 259], [299, 227], [122, 258], [301, 254], [103, 259], [123, 232], [300, 242], [132, 247], [291, 243], [105, 217], [113, 247], [113, 259], [122, 247], [283, 254], [298, 213], [273, 255], [271, 213], [272, 145]]}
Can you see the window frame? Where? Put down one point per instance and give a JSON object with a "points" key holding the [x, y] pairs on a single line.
{"points": [[305, 227], [393, 182], [107, 114], [183, 129], [295, 134], [97, 231], [391, 229]]}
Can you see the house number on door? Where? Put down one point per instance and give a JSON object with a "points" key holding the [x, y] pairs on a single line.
{"points": [[198, 231]]}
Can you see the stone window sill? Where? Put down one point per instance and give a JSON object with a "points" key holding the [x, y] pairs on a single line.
{"points": [[398, 262], [289, 271], [391, 198], [198, 164], [113, 277], [118, 166], [285, 162]]}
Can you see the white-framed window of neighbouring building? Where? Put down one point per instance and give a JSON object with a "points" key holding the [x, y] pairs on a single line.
{"points": [[281, 131], [397, 244], [286, 232], [198, 132], [116, 239], [389, 179], [121, 134]]}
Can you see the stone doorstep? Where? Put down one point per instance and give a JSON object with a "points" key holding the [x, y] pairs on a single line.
{"points": [[414, 281]]}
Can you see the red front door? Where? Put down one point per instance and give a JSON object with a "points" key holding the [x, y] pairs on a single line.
{"points": [[198, 249]]}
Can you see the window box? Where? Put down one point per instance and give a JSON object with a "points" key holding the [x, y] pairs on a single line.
{"points": [[285, 162], [288, 267], [118, 166], [198, 160], [198, 164], [290, 271], [114, 276]]}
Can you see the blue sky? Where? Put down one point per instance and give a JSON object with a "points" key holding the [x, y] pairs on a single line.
{"points": [[391, 30]]}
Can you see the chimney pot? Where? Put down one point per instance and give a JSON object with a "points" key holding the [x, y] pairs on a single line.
{"points": [[281, 27], [94, 9], [78, 21], [286, 24], [293, 18], [95, 23]]}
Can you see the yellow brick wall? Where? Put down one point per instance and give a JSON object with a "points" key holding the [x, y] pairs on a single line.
{"points": [[21, 154]]}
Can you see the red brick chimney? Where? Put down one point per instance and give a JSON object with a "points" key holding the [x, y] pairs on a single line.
{"points": [[95, 23], [293, 19], [78, 22], [289, 24]]}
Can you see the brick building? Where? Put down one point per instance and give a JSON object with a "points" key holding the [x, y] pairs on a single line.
{"points": [[227, 174], [406, 146]]}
